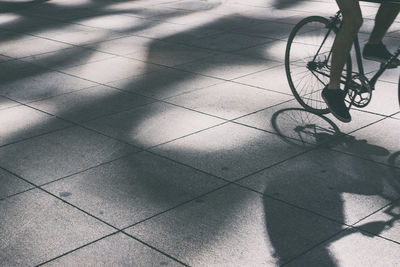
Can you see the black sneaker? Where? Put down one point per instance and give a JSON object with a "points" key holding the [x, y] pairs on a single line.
{"points": [[334, 98], [378, 52]]}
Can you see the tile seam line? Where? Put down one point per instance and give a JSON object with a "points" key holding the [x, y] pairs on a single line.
{"points": [[37, 135], [73, 124], [123, 32], [40, 187], [78, 248], [141, 150], [148, 149], [366, 159], [64, 201], [154, 248], [176, 206], [90, 168], [225, 121], [19, 103], [96, 218], [175, 67], [349, 228], [226, 185], [218, 188], [294, 205], [390, 203], [18, 193], [107, 236], [69, 22], [358, 155]]}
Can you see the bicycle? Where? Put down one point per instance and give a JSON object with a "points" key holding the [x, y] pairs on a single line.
{"points": [[307, 64]]}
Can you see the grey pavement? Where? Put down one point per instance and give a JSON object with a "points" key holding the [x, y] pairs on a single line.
{"points": [[164, 133]]}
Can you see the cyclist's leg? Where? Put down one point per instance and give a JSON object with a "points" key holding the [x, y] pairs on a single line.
{"points": [[385, 16], [375, 49], [352, 21]]}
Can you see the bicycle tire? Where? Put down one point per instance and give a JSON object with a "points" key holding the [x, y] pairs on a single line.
{"points": [[308, 43]]}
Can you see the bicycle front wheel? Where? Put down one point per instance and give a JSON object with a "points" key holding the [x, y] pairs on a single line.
{"points": [[308, 62]]}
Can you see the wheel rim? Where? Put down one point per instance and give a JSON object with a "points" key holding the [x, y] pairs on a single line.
{"points": [[309, 73]]}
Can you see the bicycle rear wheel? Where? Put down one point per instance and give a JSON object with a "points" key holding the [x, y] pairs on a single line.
{"points": [[308, 61]]}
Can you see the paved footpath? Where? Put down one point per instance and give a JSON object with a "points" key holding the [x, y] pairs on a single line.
{"points": [[164, 133]]}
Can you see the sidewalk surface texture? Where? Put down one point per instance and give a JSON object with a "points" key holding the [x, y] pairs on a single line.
{"points": [[164, 133]]}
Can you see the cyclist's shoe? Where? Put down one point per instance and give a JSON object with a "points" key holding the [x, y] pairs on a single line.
{"points": [[334, 99], [378, 52]]}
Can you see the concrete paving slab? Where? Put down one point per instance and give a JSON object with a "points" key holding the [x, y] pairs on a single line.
{"points": [[232, 23], [5, 58], [91, 103], [116, 22], [26, 82], [268, 29], [227, 66], [192, 5], [78, 34], [194, 18], [22, 23], [229, 100], [37, 227], [390, 75], [272, 50], [288, 118], [7, 103], [22, 122], [170, 31], [121, 46], [272, 79], [351, 248], [128, 5], [157, 13], [55, 11], [111, 69], [168, 54], [185, 34], [384, 223], [133, 189], [116, 250], [69, 57], [378, 142], [228, 42], [165, 83], [230, 151], [234, 226], [384, 99], [335, 185], [11, 184], [27, 45], [259, 12], [49, 157], [153, 124]]}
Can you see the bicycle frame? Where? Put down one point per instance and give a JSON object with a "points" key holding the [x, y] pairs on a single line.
{"points": [[337, 22], [336, 19]]}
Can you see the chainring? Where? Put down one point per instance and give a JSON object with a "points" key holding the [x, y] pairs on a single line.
{"points": [[360, 91]]}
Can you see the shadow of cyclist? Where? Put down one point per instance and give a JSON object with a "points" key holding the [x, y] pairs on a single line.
{"points": [[341, 188]]}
